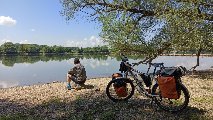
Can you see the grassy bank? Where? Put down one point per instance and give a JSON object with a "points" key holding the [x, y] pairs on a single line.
{"points": [[54, 101]]}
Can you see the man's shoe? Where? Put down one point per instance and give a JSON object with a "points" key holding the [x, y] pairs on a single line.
{"points": [[78, 87]]}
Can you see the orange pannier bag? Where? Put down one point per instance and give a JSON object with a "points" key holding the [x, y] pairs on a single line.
{"points": [[119, 86], [168, 87], [121, 91]]}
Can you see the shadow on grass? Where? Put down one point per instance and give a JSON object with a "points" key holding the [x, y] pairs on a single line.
{"points": [[92, 106], [202, 74], [87, 86]]}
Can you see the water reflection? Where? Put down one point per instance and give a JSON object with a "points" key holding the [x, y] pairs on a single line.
{"points": [[28, 70], [6, 84], [94, 63], [10, 60], [186, 61]]}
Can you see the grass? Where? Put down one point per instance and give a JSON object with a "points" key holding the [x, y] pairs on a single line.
{"points": [[19, 116], [108, 115], [198, 117], [91, 104], [206, 99], [207, 88]]}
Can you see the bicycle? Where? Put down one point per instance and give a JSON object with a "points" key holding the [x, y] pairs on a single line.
{"points": [[147, 84]]}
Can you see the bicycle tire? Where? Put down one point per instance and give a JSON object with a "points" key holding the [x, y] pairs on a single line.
{"points": [[110, 89], [184, 95]]}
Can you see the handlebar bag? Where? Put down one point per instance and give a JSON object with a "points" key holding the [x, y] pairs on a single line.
{"points": [[168, 87], [123, 67]]}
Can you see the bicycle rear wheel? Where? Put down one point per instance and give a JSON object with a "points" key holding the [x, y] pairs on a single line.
{"points": [[172, 105], [111, 92]]}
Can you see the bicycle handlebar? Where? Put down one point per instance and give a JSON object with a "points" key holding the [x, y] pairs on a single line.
{"points": [[130, 66]]}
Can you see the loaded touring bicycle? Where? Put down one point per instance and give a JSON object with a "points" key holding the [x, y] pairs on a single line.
{"points": [[163, 86]]}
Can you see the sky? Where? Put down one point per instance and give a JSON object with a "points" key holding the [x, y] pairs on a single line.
{"points": [[40, 22]]}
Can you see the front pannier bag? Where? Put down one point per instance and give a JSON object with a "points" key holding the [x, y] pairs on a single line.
{"points": [[119, 86], [168, 87]]}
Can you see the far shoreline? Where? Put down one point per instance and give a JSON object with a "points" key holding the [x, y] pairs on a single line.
{"points": [[206, 55]]}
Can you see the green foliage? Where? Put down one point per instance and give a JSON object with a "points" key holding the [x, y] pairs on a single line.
{"points": [[185, 24], [95, 50], [8, 48], [28, 49]]}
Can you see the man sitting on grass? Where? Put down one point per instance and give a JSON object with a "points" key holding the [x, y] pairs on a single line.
{"points": [[77, 75]]}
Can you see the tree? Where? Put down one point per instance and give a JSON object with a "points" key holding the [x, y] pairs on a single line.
{"points": [[201, 39], [45, 49], [9, 48], [126, 22]]}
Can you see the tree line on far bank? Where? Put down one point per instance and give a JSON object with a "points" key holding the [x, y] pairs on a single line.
{"points": [[9, 48]]}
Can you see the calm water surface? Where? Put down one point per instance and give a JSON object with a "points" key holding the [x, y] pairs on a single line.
{"points": [[29, 70]]}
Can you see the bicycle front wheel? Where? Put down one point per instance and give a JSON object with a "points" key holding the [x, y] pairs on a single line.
{"points": [[172, 105], [112, 93]]}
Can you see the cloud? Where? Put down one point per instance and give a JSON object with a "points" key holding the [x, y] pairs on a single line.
{"points": [[7, 21], [21, 42], [93, 41], [32, 30], [93, 63], [4, 40], [24, 42]]}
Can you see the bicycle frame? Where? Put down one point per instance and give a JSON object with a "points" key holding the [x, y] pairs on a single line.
{"points": [[137, 82]]}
